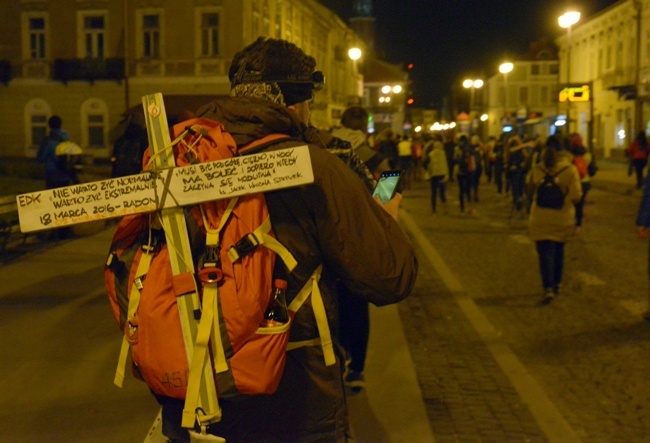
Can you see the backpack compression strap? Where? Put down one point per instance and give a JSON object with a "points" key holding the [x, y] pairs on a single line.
{"points": [[325, 339], [211, 275]]}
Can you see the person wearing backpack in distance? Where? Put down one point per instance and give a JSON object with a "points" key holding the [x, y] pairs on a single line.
{"points": [[463, 170], [554, 185], [333, 222]]}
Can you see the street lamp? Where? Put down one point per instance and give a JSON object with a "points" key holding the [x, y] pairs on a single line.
{"points": [[355, 54], [472, 85], [505, 68], [567, 20]]}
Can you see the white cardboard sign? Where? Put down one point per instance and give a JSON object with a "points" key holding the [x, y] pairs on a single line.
{"points": [[151, 191]]}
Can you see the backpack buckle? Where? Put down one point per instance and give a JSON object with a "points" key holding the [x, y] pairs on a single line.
{"points": [[243, 247], [210, 257], [210, 275]]}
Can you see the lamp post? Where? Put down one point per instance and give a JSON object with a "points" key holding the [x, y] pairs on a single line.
{"points": [[355, 54], [472, 84], [505, 68], [567, 20]]}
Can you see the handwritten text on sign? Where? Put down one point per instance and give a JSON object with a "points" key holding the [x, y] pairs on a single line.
{"points": [[149, 191]]}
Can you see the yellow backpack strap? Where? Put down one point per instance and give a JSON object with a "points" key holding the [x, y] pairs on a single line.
{"points": [[325, 340], [208, 326], [261, 237], [134, 302]]}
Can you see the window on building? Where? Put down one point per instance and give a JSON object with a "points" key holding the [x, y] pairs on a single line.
{"points": [[534, 69], [544, 95], [619, 55], [647, 46], [95, 130], [278, 19], [38, 129], [93, 36], [37, 38], [151, 36], [523, 95], [210, 34], [257, 19], [553, 69], [266, 19]]}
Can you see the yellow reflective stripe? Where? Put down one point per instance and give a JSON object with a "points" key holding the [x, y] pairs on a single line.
{"points": [[134, 302], [200, 355], [262, 234], [323, 325], [301, 344], [311, 288], [121, 363]]}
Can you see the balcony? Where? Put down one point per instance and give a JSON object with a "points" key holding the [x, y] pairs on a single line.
{"points": [[88, 69], [5, 72]]}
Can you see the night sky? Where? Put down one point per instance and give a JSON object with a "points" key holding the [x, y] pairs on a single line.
{"points": [[448, 40]]}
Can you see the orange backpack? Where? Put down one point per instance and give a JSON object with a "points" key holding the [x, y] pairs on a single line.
{"points": [[235, 251]]}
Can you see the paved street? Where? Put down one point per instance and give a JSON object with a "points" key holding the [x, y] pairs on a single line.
{"points": [[471, 356]]}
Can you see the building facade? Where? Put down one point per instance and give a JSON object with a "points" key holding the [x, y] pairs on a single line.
{"points": [[610, 54], [523, 100], [91, 61]]}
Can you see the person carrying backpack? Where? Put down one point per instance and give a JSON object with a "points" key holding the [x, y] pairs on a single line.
{"points": [[554, 185], [56, 172], [333, 224], [517, 171], [464, 166]]}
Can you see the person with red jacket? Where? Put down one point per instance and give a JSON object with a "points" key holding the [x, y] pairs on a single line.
{"points": [[637, 152]]}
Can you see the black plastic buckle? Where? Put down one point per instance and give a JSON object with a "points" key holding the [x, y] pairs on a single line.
{"points": [[245, 246], [210, 257]]}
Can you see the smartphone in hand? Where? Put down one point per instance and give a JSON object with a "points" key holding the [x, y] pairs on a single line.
{"points": [[387, 185]]}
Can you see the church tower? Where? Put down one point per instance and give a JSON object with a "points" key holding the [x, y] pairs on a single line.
{"points": [[363, 23]]}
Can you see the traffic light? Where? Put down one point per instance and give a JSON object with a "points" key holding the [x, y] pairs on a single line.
{"points": [[409, 66], [410, 101]]}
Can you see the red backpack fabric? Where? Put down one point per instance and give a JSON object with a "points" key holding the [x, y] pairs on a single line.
{"points": [[253, 357], [581, 165]]}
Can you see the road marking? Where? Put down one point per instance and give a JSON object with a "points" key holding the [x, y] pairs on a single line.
{"points": [[541, 407], [521, 239], [590, 279]]}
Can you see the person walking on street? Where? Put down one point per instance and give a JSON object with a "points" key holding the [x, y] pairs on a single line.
{"points": [[517, 171], [450, 148], [436, 168], [57, 173], [333, 222], [643, 229], [582, 157], [387, 147], [463, 167], [354, 311], [637, 153], [405, 151], [475, 175], [554, 187]]}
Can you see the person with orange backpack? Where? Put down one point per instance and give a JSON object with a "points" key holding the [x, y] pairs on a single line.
{"points": [[332, 230]]}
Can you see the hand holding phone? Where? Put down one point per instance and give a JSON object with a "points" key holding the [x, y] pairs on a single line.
{"points": [[387, 185]]}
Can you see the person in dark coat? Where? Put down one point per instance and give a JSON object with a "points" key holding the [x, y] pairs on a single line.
{"points": [[333, 222]]}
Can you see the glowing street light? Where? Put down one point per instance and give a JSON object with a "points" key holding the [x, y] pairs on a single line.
{"points": [[472, 84], [567, 20], [505, 68], [354, 53]]}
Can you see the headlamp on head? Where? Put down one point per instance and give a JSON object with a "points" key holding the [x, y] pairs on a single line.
{"points": [[316, 79]]}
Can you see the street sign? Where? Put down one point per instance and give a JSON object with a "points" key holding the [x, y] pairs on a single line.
{"points": [[150, 191], [575, 94]]}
